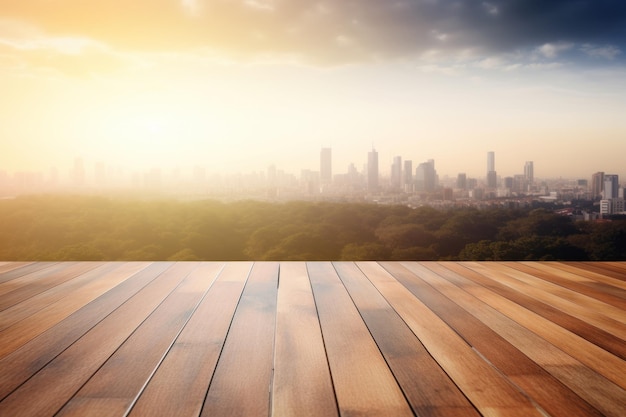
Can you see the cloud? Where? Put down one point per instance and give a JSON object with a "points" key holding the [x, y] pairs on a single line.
{"points": [[336, 31]]}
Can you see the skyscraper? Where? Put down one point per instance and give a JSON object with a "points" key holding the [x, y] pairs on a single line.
{"points": [[407, 178], [326, 170], [372, 170], [492, 177], [396, 172], [529, 172], [426, 176], [611, 187], [597, 185]]}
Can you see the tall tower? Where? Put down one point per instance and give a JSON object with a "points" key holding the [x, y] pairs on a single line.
{"points": [[611, 187], [492, 177], [407, 178], [396, 172], [597, 185], [372, 170], [529, 172], [326, 166]]}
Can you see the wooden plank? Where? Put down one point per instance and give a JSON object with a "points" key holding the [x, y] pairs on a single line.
{"points": [[55, 384], [33, 305], [10, 266], [610, 269], [245, 365], [36, 285], [32, 326], [604, 316], [24, 270], [122, 377], [522, 361], [591, 288], [489, 391], [27, 360], [364, 385], [180, 383], [32, 278], [302, 383], [573, 269], [429, 390], [607, 390]]}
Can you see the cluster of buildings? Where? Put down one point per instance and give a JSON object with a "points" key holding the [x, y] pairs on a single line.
{"points": [[402, 183]]}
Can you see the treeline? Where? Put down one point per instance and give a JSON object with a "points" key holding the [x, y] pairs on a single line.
{"points": [[97, 228]]}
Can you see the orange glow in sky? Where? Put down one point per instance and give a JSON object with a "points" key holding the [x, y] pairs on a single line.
{"points": [[239, 85]]}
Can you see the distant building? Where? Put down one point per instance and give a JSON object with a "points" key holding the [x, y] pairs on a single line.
{"points": [[492, 177], [396, 172], [529, 172], [372, 170], [407, 177], [426, 176], [326, 170], [611, 187], [461, 181], [597, 185]]}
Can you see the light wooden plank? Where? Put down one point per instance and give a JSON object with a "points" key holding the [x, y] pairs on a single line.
{"points": [[599, 291], [245, 365], [554, 393], [27, 329], [180, 384], [24, 270], [364, 385], [486, 388], [122, 377], [35, 284], [21, 364], [429, 390], [568, 269], [10, 266], [608, 388], [604, 316], [33, 278], [55, 384], [302, 383]]}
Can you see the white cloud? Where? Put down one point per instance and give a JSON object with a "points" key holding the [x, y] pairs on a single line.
{"points": [[607, 52], [491, 8], [552, 50]]}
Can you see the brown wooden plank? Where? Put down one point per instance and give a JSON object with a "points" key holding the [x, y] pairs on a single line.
{"points": [[50, 388], [33, 305], [122, 377], [612, 269], [608, 394], [245, 365], [302, 383], [604, 316], [180, 384], [429, 390], [24, 362], [599, 291], [364, 385], [575, 269], [32, 278], [36, 285], [489, 391], [24, 270], [9, 266], [32, 326], [522, 356]]}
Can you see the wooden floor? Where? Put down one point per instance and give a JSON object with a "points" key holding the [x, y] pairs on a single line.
{"points": [[313, 339]]}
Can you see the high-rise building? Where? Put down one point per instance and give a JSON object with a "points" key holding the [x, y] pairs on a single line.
{"points": [[597, 185], [529, 172], [407, 177], [611, 187], [426, 176], [396, 172], [326, 170], [461, 181], [372, 170], [492, 177]]}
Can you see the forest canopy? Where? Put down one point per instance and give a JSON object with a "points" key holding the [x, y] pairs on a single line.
{"points": [[63, 228]]}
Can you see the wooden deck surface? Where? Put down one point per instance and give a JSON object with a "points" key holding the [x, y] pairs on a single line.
{"points": [[313, 339]]}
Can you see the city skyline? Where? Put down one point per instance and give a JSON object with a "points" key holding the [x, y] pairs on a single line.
{"points": [[235, 86]]}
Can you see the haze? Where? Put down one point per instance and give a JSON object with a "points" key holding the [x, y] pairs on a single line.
{"points": [[238, 85]]}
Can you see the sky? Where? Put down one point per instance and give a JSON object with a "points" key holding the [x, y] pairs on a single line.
{"points": [[237, 85]]}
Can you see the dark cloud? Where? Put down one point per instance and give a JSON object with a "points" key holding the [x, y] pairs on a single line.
{"points": [[340, 30]]}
